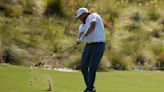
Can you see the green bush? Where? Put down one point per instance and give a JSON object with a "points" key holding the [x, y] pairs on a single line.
{"points": [[157, 48], [146, 59], [133, 27], [134, 22], [104, 64], [11, 7], [75, 61], [11, 57], [116, 60], [129, 47], [113, 14], [138, 1], [13, 10], [153, 15], [136, 17], [72, 61], [0, 54], [161, 22], [75, 65], [160, 58], [57, 41], [156, 33], [17, 8], [54, 7], [35, 7], [29, 6]]}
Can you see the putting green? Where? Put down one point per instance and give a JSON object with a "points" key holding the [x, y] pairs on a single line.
{"points": [[21, 79]]}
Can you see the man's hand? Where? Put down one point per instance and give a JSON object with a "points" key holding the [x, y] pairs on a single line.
{"points": [[78, 41], [81, 39]]}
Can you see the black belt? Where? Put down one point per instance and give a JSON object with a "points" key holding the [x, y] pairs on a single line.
{"points": [[94, 43]]}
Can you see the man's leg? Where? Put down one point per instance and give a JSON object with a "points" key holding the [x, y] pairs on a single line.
{"points": [[96, 55], [85, 63]]}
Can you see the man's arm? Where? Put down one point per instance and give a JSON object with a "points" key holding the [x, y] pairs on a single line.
{"points": [[85, 34], [78, 40], [91, 28], [81, 33]]}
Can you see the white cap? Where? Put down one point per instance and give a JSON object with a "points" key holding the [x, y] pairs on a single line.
{"points": [[81, 11]]}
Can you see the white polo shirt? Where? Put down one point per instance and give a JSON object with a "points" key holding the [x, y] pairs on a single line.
{"points": [[98, 34]]}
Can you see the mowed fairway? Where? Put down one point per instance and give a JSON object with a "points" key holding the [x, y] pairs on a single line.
{"points": [[21, 79]]}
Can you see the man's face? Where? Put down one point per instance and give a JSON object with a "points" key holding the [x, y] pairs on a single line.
{"points": [[82, 17]]}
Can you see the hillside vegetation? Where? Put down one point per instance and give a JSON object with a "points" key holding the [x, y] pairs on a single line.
{"points": [[37, 33]]}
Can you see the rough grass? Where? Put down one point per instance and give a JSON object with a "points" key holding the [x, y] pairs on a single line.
{"points": [[21, 79]]}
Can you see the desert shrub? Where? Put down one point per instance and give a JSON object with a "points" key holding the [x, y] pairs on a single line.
{"points": [[36, 7], [145, 59], [103, 67], [133, 27], [160, 61], [13, 10], [54, 7], [75, 65], [17, 8], [153, 15], [158, 50], [157, 47], [156, 33], [105, 64], [161, 22], [1, 55], [138, 1], [72, 61], [134, 22], [117, 62], [120, 61], [57, 42], [129, 47], [132, 43], [11, 57], [2, 6], [113, 14], [129, 62], [6, 34], [136, 17], [11, 7], [28, 6]]}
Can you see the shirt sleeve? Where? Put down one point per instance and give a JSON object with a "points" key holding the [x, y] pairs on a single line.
{"points": [[81, 28], [93, 17]]}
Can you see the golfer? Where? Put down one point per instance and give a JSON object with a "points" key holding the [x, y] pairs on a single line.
{"points": [[91, 31]]}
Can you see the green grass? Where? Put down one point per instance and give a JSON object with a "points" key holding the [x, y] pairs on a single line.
{"points": [[21, 79]]}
